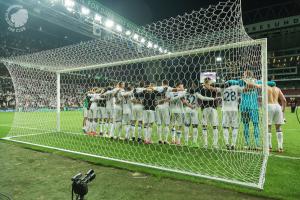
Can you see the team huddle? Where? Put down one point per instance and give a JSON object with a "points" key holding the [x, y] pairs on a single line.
{"points": [[175, 111]]}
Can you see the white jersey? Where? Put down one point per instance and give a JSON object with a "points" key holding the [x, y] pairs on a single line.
{"points": [[125, 98], [176, 105], [164, 92], [110, 98], [230, 100]]}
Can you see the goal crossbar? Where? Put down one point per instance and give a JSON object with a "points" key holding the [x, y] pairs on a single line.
{"points": [[142, 59]]}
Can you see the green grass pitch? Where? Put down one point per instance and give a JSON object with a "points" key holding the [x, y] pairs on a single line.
{"points": [[280, 171]]}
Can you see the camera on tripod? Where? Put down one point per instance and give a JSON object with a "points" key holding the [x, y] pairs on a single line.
{"points": [[80, 185]]}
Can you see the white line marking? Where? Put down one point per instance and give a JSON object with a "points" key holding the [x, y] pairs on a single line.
{"points": [[285, 157]]}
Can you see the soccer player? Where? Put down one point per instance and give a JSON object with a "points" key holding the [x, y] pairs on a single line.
{"points": [[191, 114], [137, 111], [110, 108], [162, 111], [177, 112], [86, 107], [149, 103], [275, 115], [118, 112], [125, 96], [94, 96], [230, 110], [101, 104], [209, 111]]}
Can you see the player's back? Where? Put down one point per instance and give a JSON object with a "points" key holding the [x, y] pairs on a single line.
{"points": [[176, 104], [230, 98], [273, 95]]}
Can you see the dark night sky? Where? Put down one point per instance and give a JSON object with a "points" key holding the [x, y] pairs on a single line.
{"points": [[147, 11]]}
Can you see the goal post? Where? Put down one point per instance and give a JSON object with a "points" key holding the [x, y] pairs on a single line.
{"points": [[66, 98]]}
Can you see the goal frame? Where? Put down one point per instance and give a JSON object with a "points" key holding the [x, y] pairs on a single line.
{"points": [[262, 42]]}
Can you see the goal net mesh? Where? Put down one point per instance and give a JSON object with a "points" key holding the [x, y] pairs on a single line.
{"points": [[182, 49]]}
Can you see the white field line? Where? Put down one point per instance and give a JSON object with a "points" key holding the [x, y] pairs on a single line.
{"points": [[285, 157]]}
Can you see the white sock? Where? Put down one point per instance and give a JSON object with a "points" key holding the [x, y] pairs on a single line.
{"points": [[173, 134], [167, 130], [270, 140], [127, 131], [178, 136], [112, 129], [280, 140], [94, 126], [234, 136], [195, 135], [149, 133], [159, 132], [216, 137], [87, 125], [186, 134], [146, 133], [119, 128], [226, 135], [204, 134], [139, 131], [101, 126], [132, 130]]}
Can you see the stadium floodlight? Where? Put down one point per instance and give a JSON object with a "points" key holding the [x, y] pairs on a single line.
{"points": [[128, 32], [219, 59], [119, 28], [69, 4], [136, 36], [85, 11], [150, 44], [98, 18], [143, 40], [109, 23]]}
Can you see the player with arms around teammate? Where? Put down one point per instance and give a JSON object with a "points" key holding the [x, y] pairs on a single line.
{"points": [[149, 103], [126, 96], [230, 111], [275, 115], [163, 111], [137, 111], [209, 111], [177, 112]]}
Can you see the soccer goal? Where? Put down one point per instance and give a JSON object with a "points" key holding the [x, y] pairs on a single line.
{"points": [[63, 95]]}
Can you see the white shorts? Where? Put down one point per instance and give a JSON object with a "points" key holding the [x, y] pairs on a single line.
{"points": [[110, 112], [126, 118], [137, 113], [118, 114], [85, 112], [93, 112], [230, 119], [162, 116], [191, 117], [210, 116], [149, 116], [102, 113], [275, 115], [177, 119]]}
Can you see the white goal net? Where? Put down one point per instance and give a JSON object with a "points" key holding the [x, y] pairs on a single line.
{"points": [[181, 95]]}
